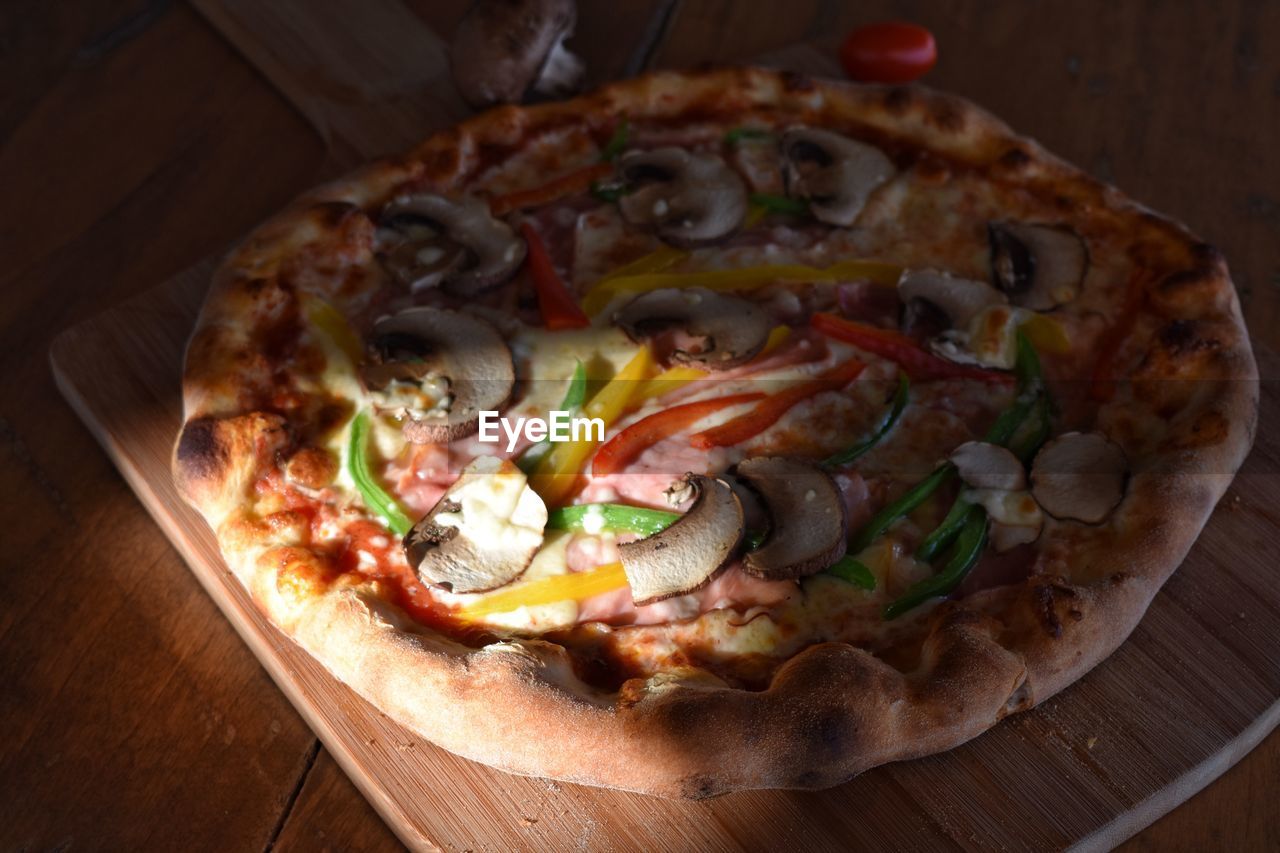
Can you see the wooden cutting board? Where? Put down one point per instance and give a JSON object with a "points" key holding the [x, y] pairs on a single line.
{"points": [[1196, 686]]}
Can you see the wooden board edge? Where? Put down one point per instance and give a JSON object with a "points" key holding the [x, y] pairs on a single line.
{"points": [[259, 644]]}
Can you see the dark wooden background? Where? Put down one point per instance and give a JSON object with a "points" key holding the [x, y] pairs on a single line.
{"points": [[135, 141]]}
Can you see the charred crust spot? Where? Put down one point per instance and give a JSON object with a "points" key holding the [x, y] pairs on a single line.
{"points": [[699, 786], [1181, 337], [1208, 256], [1044, 600], [898, 99], [946, 116], [330, 214], [1015, 158], [200, 455], [795, 81]]}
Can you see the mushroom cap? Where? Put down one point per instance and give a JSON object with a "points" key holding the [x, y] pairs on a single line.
{"points": [[1039, 266], [459, 351], [482, 533], [832, 172], [1079, 476], [502, 47], [728, 330], [431, 240], [687, 198], [988, 466], [808, 520], [686, 555], [959, 298]]}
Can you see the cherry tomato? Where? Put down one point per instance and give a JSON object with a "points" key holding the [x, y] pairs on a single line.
{"points": [[888, 52]]}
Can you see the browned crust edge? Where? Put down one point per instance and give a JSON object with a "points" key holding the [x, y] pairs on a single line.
{"points": [[833, 710]]}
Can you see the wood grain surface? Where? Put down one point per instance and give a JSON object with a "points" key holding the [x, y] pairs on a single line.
{"points": [[134, 145]]}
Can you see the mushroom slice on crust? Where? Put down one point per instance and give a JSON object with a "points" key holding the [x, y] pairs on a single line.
{"points": [[686, 555], [686, 198], [1079, 476], [502, 49], [807, 518], [427, 240], [482, 533], [1015, 516], [714, 330], [438, 370], [1039, 266], [988, 466], [833, 173], [960, 299]]}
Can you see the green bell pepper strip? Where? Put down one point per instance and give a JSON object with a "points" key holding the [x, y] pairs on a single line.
{"points": [[632, 519], [780, 204], [853, 571], [911, 499], [945, 533], [968, 548], [574, 398], [617, 142], [375, 497], [738, 134], [891, 417]]}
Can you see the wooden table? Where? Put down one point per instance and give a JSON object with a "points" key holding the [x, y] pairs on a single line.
{"points": [[136, 141]]}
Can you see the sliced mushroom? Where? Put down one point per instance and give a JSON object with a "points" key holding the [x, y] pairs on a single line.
{"points": [[503, 49], [715, 330], [1015, 516], [438, 370], [807, 518], [833, 173], [428, 240], [1039, 266], [1079, 476], [686, 555], [686, 198], [988, 466], [482, 533], [960, 299]]}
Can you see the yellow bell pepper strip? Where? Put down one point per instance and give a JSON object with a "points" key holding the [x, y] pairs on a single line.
{"points": [[555, 476], [1046, 334], [558, 307], [661, 258], [375, 497], [572, 183], [746, 278], [575, 586], [771, 409], [330, 321]]}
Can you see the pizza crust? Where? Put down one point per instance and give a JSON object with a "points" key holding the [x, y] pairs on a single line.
{"points": [[833, 710]]}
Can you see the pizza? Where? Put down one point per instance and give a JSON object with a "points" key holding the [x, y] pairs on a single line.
{"points": [[716, 430]]}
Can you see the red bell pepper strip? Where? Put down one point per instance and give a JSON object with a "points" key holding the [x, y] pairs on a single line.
{"points": [[1102, 381], [573, 183], [769, 410], [919, 364], [559, 309], [633, 440]]}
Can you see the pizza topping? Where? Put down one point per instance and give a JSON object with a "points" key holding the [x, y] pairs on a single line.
{"points": [[686, 198], [559, 309], [1015, 516], [713, 330], [459, 360], [635, 439], [1079, 476], [429, 240], [482, 533], [959, 299], [988, 466], [917, 362], [685, 556], [891, 417], [375, 497], [503, 49], [807, 518], [834, 174], [1039, 266]]}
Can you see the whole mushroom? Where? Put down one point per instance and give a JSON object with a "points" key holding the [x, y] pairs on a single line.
{"points": [[505, 49]]}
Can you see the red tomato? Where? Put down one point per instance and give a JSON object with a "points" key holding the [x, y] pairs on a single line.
{"points": [[888, 52]]}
